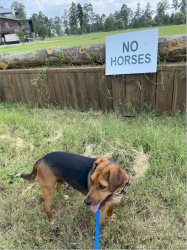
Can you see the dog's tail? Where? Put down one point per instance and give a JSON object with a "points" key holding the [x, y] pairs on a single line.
{"points": [[30, 176]]}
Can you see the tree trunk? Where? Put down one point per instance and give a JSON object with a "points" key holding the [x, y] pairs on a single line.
{"points": [[170, 49]]}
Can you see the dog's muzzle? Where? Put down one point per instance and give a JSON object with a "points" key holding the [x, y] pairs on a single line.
{"points": [[87, 202]]}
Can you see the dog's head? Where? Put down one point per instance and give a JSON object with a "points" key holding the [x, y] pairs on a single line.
{"points": [[106, 179]]}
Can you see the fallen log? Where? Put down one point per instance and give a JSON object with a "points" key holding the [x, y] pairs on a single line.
{"points": [[55, 56], [170, 49]]}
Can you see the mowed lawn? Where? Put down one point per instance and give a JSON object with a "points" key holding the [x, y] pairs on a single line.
{"points": [[151, 215], [92, 38]]}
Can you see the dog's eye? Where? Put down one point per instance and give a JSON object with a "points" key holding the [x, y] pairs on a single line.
{"points": [[101, 186]]}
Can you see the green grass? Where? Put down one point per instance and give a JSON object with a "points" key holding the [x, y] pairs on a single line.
{"points": [[92, 38], [151, 216]]}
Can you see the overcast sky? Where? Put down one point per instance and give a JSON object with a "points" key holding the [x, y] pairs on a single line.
{"points": [[53, 8]]}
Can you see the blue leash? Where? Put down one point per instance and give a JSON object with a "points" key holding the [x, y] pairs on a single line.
{"points": [[97, 230]]}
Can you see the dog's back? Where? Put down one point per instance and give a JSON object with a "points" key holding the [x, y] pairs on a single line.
{"points": [[71, 168]]}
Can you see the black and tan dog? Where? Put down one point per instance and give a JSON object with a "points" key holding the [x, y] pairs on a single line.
{"points": [[102, 181]]}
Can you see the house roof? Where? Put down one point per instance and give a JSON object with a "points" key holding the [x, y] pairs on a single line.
{"points": [[9, 18], [6, 11]]}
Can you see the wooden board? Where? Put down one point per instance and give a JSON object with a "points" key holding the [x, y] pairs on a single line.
{"points": [[28, 79], [148, 90], [92, 85], [105, 92], [34, 84], [58, 84], [133, 90], [164, 91], [13, 87], [6, 89], [69, 85], [20, 80], [81, 90], [40, 89], [119, 90], [50, 86], [88, 87], [20, 88], [179, 91]]}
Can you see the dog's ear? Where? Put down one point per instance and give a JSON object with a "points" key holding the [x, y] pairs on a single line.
{"points": [[95, 164], [98, 162], [116, 179]]}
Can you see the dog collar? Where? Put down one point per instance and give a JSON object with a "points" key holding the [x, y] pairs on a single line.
{"points": [[122, 192]]}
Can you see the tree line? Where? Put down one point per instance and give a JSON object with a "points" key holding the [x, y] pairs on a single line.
{"points": [[81, 19]]}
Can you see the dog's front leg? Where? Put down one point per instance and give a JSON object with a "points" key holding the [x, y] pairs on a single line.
{"points": [[110, 210], [103, 212]]}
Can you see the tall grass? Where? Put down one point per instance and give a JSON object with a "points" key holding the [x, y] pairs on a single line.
{"points": [[152, 215]]}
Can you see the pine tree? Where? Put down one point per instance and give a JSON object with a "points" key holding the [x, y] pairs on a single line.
{"points": [[137, 20], [88, 17], [147, 15], [41, 25], [65, 22], [161, 17], [80, 16], [110, 23], [20, 9], [73, 19], [182, 6], [175, 4], [126, 14], [58, 26], [119, 20]]}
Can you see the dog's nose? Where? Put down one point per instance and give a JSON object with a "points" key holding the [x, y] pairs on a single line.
{"points": [[87, 202]]}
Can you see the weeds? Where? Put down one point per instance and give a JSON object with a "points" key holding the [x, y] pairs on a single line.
{"points": [[152, 215]]}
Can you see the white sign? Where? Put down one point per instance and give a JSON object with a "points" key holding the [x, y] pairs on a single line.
{"points": [[132, 52]]}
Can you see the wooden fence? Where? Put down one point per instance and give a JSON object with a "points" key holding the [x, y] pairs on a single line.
{"points": [[88, 87]]}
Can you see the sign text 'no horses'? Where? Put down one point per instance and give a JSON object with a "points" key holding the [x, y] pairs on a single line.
{"points": [[133, 52]]}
